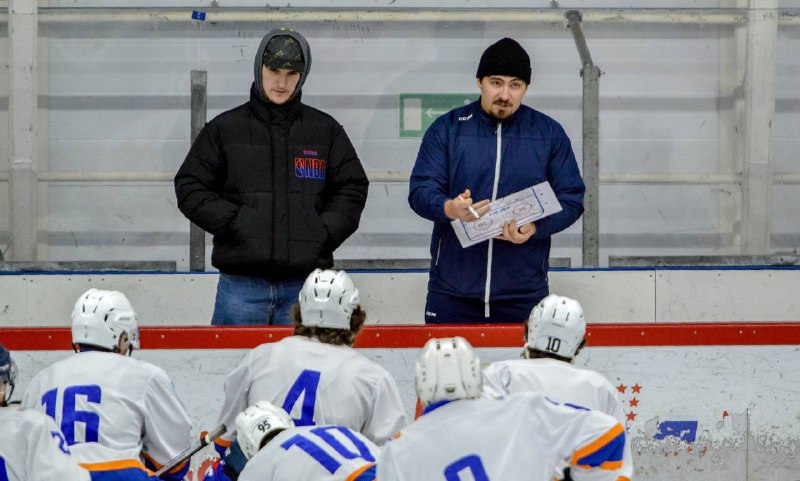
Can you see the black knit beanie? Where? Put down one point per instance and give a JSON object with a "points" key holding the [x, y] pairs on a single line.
{"points": [[505, 57]]}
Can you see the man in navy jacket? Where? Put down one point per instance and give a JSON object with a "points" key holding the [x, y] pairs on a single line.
{"points": [[477, 153]]}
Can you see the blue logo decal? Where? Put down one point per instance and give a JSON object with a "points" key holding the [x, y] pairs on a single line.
{"points": [[683, 430], [309, 168]]}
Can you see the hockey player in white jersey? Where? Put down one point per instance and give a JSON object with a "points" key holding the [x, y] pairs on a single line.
{"points": [[31, 446], [315, 375], [120, 416], [554, 335], [275, 450], [463, 436]]}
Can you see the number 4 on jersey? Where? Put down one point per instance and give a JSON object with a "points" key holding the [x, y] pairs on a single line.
{"points": [[305, 385]]}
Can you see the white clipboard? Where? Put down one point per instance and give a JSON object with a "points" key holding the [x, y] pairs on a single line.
{"points": [[525, 206]]}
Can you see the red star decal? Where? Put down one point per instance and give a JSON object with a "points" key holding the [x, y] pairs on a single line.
{"points": [[631, 416], [725, 414], [621, 388], [634, 402], [636, 388]]}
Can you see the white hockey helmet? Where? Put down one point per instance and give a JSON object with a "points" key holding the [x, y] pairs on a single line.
{"points": [[448, 369], [327, 299], [101, 317], [556, 325], [258, 421]]}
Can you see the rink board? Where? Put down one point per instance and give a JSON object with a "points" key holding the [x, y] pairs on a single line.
{"points": [[719, 412], [608, 296]]}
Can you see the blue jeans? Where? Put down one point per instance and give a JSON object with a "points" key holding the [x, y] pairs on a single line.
{"points": [[245, 300]]}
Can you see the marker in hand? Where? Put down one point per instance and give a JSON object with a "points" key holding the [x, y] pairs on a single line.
{"points": [[469, 207]]}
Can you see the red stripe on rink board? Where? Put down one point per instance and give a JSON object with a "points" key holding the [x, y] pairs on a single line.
{"points": [[598, 335]]}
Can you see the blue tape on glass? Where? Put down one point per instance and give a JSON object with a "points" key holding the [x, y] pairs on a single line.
{"points": [[197, 15]]}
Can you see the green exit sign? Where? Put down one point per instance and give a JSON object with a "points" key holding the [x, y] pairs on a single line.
{"points": [[418, 111]]}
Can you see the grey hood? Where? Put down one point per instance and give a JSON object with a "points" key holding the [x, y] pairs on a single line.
{"points": [[260, 54]]}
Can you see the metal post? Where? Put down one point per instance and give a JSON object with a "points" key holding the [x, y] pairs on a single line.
{"points": [[732, 55], [591, 165], [574, 20], [591, 143], [197, 236], [759, 106], [22, 126]]}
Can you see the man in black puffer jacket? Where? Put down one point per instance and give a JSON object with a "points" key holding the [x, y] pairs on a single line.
{"points": [[277, 183]]}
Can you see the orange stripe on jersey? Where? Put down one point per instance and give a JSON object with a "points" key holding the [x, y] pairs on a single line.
{"points": [[159, 465], [114, 465], [622, 478], [609, 465], [358, 471], [152, 461], [223, 442], [597, 444]]}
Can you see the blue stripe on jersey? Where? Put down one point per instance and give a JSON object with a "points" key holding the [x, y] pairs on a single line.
{"points": [[368, 474], [221, 446], [610, 453], [127, 474], [433, 406]]}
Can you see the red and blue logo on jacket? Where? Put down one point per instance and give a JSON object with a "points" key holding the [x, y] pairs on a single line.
{"points": [[309, 166]]}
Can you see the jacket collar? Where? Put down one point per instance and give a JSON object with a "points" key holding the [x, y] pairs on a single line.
{"points": [[268, 111]]}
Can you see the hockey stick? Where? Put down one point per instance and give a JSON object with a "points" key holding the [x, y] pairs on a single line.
{"points": [[191, 450]]}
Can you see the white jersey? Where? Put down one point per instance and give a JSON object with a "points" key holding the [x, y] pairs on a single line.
{"points": [[33, 449], [562, 382], [312, 453], [316, 383], [112, 408], [525, 436]]}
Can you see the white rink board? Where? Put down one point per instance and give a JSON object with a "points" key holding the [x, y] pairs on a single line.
{"points": [[188, 299], [724, 296], [398, 297], [743, 399]]}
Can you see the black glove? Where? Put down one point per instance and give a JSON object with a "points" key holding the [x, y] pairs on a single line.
{"points": [[234, 461]]}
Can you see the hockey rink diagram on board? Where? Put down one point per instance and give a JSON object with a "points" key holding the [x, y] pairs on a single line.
{"points": [[525, 206]]}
